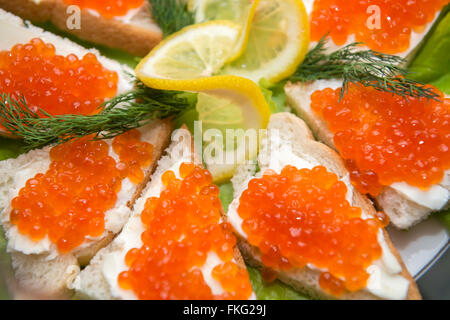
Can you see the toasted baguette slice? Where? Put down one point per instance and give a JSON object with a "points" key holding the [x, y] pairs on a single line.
{"points": [[38, 266], [15, 31], [94, 282], [135, 33], [404, 212], [294, 132]]}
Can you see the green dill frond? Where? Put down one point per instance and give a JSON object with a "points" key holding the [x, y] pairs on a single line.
{"points": [[367, 67], [124, 112], [171, 15]]}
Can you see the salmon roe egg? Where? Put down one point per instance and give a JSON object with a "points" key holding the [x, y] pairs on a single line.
{"points": [[301, 217], [69, 201], [54, 83], [385, 138], [391, 33], [134, 154], [108, 8], [182, 229]]}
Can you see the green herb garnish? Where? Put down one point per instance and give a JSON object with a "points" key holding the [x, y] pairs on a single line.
{"points": [[171, 15], [383, 72], [120, 114]]}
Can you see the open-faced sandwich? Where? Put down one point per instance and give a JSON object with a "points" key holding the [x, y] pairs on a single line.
{"points": [[300, 217], [395, 27], [396, 150], [125, 25], [55, 74]]}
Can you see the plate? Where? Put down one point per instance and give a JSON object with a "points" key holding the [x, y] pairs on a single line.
{"points": [[425, 251]]}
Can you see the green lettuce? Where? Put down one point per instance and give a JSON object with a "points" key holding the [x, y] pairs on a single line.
{"points": [[274, 94], [5, 269], [272, 291], [432, 62], [10, 148]]}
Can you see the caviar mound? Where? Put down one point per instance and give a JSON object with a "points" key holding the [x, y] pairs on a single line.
{"points": [[183, 229], [107, 8], [391, 33], [68, 203], [54, 83], [301, 217], [385, 138]]}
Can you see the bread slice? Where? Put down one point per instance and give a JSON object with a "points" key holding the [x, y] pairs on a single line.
{"points": [[294, 132], [15, 31], [403, 212], [135, 33], [38, 266], [94, 282]]}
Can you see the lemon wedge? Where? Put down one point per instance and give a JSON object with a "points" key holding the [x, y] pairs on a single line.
{"points": [[277, 43]]}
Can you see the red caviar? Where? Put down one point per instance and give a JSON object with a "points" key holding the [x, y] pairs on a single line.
{"points": [[108, 8], [398, 18], [385, 138], [134, 154], [69, 201], [54, 83], [301, 217], [183, 226]]}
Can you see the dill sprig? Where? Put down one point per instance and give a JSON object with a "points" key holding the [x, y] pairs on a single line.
{"points": [[171, 15], [122, 113], [384, 72]]}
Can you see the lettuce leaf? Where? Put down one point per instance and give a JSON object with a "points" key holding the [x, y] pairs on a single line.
{"points": [[10, 148], [226, 195], [272, 291], [274, 94], [444, 217], [433, 60], [5, 269]]}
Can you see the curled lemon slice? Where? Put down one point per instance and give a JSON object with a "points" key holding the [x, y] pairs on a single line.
{"points": [[277, 43], [241, 12], [196, 51]]}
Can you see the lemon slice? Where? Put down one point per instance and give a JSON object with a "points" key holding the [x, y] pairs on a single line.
{"points": [[224, 133], [241, 12], [277, 43], [224, 102], [206, 10], [196, 51]]}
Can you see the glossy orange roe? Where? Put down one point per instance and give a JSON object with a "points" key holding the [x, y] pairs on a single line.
{"points": [[108, 8], [183, 226], [398, 18], [385, 139], [301, 217], [69, 201], [54, 83], [134, 154]]}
